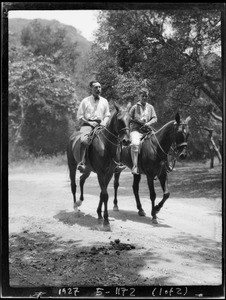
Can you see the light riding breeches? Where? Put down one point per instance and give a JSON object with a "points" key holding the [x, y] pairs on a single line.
{"points": [[135, 138]]}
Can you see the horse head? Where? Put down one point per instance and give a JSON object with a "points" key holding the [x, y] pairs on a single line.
{"points": [[181, 134], [122, 121]]}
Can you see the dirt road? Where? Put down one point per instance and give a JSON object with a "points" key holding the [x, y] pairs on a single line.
{"points": [[50, 245]]}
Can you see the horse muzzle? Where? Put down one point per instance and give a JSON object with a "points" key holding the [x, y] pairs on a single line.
{"points": [[125, 141], [183, 153]]}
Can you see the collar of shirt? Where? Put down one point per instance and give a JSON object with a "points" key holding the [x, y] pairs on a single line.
{"points": [[140, 104], [96, 98]]}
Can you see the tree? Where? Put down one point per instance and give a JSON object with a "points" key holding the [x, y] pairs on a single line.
{"points": [[172, 52], [36, 89], [43, 40], [141, 42]]}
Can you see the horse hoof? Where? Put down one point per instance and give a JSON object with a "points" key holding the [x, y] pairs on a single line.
{"points": [[141, 213], [115, 208], [79, 203], [154, 221], [157, 211], [76, 210], [100, 221], [106, 226]]}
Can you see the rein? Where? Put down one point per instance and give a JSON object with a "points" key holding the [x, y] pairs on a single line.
{"points": [[174, 148], [159, 145], [115, 136]]}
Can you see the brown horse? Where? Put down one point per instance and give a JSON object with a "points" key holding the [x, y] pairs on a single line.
{"points": [[152, 161], [101, 158]]}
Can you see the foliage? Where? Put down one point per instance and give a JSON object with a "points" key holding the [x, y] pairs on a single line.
{"points": [[172, 53], [40, 99], [43, 40]]}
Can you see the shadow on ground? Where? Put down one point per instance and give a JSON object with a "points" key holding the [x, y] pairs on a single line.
{"points": [[86, 220], [191, 181], [41, 259]]}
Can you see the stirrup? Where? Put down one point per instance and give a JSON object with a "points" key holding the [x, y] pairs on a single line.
{"points": [[169, 168], [119, 168], [81, 167], [135, 171]]}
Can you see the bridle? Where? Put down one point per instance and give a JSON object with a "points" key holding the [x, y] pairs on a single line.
{"points": [[116, 137], [175, 147], [184, 132], [122, 129]]}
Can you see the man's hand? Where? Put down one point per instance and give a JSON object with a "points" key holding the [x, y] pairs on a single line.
{"points": [[93, 123], [147, 125], [103, 123]]}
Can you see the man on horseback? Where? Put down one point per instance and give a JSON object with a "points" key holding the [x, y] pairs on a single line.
{"points": [[142, 116], [93, 110]]}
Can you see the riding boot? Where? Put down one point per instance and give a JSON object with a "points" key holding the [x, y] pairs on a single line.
{"points": [[119, 165], [82, 165], [169, 168], [134, 155]]}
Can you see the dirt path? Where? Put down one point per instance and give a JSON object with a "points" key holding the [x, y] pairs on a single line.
{"points": [[50, 245]]}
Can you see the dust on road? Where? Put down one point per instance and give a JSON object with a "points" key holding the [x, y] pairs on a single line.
{"points": [[50, 245]]}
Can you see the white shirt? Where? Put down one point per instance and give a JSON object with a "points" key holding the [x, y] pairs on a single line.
{"points": [[92, 109], [143, 113]]}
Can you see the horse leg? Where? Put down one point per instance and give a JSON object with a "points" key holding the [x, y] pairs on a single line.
{"points": [[83, 178], [73, 187], [150, 181], [136, 181], [104, 181], [72, 164], [116, 185], [164, 184], [99, 209]]}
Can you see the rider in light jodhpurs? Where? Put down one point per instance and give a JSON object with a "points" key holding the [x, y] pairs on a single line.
{"points": [[92, 111], [142, 114]]}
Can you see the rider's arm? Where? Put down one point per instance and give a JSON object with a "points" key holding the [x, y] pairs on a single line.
{"points": [[105, 120], [153, 118], [81, 115], [106, 114], [152, 121]]}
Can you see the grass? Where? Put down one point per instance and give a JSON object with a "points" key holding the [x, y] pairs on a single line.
{"points": [[38, 163], [189, 178]]}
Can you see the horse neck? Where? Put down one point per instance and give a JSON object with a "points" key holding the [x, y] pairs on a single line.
{"points": [[111, 126], [111, 136], [164, 136]]}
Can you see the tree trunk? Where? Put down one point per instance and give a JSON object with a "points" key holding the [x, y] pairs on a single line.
{"points": [[213, 148]]}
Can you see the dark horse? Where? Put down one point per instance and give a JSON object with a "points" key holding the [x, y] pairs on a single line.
{"points": [[100, 159], [152, 161]]}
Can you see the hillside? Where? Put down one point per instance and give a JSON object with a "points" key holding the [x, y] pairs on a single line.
{"points": [[16, 25]]}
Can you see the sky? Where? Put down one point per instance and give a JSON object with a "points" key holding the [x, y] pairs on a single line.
{"points": [[83, 20]]}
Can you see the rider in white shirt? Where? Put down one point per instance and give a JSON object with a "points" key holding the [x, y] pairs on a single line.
{"points": [[92, 111], [142, 114]]}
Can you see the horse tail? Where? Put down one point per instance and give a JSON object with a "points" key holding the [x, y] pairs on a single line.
{"points": [[70, 157]]}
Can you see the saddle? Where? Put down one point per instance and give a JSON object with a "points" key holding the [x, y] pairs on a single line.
{"points": [[76, 136], [93, 132], [146, 134]]}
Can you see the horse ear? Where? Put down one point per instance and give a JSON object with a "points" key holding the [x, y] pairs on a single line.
{"points": [[188, 119], [128, 106], [116, 106], [177, 118]]}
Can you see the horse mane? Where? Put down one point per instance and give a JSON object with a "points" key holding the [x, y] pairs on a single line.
{"points": [[113, 113], [165, 126]]}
